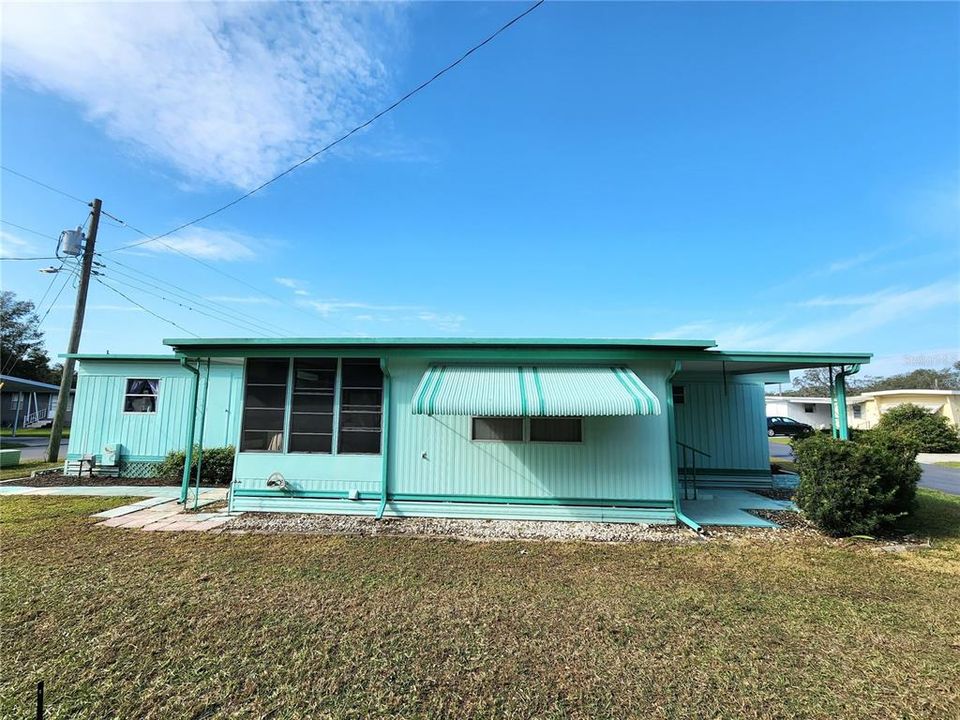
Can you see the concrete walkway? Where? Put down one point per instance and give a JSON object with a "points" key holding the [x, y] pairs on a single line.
{"points": [[726, 506], [158, 511]]}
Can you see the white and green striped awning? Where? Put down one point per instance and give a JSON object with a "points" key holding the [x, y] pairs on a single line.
{"points": [[535, 391]]}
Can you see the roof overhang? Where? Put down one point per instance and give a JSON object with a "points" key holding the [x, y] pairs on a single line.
{"points": [[15, 384]]}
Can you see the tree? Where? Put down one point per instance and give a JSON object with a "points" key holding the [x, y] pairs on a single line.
{"points": [[22, 352], [927, 431], [815, 382], [920, 379]]}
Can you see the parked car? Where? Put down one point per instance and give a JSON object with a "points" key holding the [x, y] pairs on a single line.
{"points": [[787, 426]]}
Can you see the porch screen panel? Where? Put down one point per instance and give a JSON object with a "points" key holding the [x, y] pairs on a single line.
{"points": [[264, 401], [361, 406], [311, 408]]}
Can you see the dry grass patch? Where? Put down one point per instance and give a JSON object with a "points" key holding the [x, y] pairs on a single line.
{"points": [[156, 625]]}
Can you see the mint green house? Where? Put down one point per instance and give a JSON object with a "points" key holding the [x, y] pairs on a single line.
{"points": [[559, 429]]}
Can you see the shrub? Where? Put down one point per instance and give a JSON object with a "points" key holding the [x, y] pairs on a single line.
{"points": [[856, 488], [216, 468], [929, 432]]}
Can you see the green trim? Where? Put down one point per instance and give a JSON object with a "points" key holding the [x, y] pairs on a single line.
{"points": [[328, 494], [119, 358], [436, 389], [731, 472], [638, 401], [427, 342], [653, 404], [191, 428], [418, 403], [542, 401], [384, 438], [487, 499], [523, 392]]}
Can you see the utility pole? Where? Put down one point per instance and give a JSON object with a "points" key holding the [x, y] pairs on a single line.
{"points": [[63, 397]]}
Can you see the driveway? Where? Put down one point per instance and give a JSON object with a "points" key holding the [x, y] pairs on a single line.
{"points": [[933, 477]]}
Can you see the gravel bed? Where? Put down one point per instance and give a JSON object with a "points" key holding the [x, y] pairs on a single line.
{"points": [[786, 519], [460, 528]]}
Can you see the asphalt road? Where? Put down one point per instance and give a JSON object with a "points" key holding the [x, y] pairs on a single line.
{"points": [[36, 447], [934, 477]]}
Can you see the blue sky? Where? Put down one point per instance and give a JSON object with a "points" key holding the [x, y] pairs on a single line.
{"points": [[775, 176]]}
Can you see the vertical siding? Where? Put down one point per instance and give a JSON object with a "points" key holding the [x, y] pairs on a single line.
{"points": [[728, 423], [620, 457], [98, 417]]}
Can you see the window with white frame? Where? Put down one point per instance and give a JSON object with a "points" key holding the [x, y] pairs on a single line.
{"points": [[141, 395], [809, 408]]}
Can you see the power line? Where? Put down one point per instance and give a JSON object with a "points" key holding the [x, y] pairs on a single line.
{"points": [[189, 297], [236, 279], [246, 326], [29, 230], [44, 185], [51, 257], [11, 362], [343, 137], [147, 310]]}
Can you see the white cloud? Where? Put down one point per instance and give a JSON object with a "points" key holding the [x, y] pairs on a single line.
{"points": [[405, 315], [442, 321], [205, 244], [14, 246], [826, 301], [225, 92], [825, 333], [288, 282]]}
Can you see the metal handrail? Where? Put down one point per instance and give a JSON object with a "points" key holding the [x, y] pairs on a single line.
{"points": [[696, 450], [689, 470]]}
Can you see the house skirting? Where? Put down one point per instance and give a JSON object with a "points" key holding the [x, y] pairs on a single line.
{"points": [[656, 513]]}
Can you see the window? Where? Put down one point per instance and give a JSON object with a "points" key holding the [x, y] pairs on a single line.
{"points": [[141, 396], [361, 406], [858, 411], [808, 407], [498, 429], [561, 430], [311, 406], [264, 405], [678, 395]]}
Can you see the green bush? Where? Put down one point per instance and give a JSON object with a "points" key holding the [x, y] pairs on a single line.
{"points": [[856, 488], [929, 432], [216, 467]]}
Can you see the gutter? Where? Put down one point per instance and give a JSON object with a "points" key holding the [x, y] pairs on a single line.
{"points": [[191, 427], [674, 482], [203, 423], [839, 390], [385, 434]]}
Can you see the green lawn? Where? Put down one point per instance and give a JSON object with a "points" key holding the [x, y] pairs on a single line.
{"points": [[949, 464], [780, 440], [131, 624], [25, 468]]}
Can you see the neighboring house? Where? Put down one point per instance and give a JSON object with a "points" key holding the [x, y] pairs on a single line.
{"points": [[866, 408], [29, 403], [558, 429], [813, 411]]}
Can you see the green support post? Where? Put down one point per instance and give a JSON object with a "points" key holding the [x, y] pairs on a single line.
{"points": [[203, 418], [191, 427], [385, 442], [838, 401]]}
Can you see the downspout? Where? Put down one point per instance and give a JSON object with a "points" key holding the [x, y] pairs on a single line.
{"points": [[191, 426], [203, 418], [385, 432], [674, 472], [840, 381]]}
